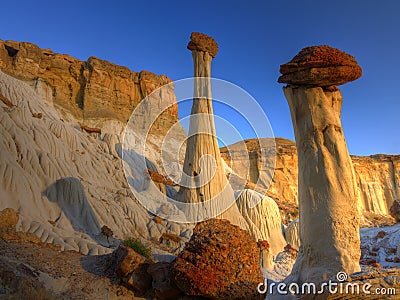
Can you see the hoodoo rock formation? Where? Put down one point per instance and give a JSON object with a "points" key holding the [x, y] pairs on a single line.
{"points": [[328, 212], [204, 182]]}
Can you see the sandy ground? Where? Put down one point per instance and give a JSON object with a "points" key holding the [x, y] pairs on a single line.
{"points": [[30, 269]]}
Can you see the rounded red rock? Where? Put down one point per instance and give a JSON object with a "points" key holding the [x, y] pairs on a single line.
{"points": [[320, 66]]}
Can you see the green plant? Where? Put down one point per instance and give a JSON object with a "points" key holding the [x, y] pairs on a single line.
{"points": [[138, 246]]}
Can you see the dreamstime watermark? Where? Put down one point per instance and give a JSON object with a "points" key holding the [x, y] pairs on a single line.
{"points": [[153, 146], [339, 286]]}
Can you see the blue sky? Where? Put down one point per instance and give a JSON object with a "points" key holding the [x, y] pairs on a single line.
{"points": [[255, 37]]}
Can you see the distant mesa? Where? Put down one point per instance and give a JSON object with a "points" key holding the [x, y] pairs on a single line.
{"points": [[202, 42], [320, 66]]}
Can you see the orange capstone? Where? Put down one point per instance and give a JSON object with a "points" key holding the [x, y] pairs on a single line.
{"points": [[202, 42], [320, 66]]}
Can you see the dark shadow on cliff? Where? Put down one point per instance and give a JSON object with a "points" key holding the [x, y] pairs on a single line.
{"points": [[139, 180], [70, 196], [137, 166]]}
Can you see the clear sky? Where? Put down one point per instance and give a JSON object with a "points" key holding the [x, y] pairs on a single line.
{"points": [[255, 37]]}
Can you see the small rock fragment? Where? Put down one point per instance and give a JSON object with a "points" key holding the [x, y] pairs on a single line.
{"points": [[8, 217], [395, 210]]}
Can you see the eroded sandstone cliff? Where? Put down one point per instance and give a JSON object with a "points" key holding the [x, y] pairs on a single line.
{"points": [[93, 91], [377, 176], [378, 180]]}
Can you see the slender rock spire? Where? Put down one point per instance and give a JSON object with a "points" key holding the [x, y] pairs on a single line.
{"points": [[204, 181], [328, 211]]}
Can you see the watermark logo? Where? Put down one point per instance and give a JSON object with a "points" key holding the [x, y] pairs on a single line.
{"points": [[153, 147], [340, 286], [341, 276]]}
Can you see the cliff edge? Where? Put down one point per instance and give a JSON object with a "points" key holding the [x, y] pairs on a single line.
{"points": [[92, 92]]}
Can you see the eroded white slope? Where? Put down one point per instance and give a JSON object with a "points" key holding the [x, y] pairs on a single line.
{"points": [[263, 218], [64, 183]]}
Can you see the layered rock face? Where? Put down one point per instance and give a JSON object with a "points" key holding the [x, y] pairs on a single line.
{"points": [[378, 181], [204, 184], [284, 182], [92, 91], [377, 176], [327, 190]]}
